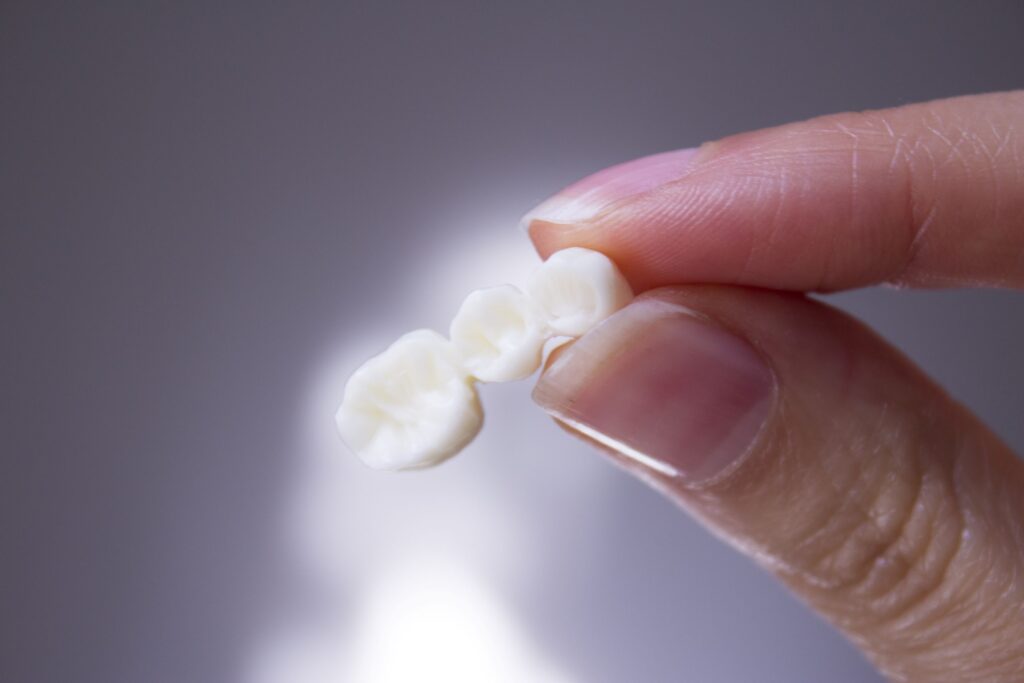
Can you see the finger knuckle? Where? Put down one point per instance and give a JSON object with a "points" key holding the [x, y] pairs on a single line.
{"points": [[892, 538]]}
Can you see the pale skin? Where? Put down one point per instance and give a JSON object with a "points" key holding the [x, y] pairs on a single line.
{"points": [[872, 494]]}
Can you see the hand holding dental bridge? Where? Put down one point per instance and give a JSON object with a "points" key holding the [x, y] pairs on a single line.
{"points": [[788, 428]]}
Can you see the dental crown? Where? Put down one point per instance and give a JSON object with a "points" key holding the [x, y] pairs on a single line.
{"points": [[416, 404]]}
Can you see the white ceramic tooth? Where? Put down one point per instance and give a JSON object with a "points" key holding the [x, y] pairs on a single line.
{"points": [[500, 334], [578, 288], [411, 406]]}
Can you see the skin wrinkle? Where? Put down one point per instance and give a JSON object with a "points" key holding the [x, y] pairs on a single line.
{"points": [[886, 549], [932, 594], [931, 525], [964, 636], [1002, 504], [882, 573], [857, 129], [922, 559], [900, 174], [921, 596], [788, 192], [952, 147], [965, 135], [842, 493], [994, 156], [920, 161], [773, 222], [836, 508], [921, 231], [927, 592], [901, 161], [1011, 130], [1004, 138], [863, 549], [854, 165], [907, 638], [761, 192], [995, 630], [981, 147], [919, 226]]}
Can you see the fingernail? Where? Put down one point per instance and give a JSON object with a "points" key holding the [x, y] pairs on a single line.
{"points": [[665, 388], [587, 198]]}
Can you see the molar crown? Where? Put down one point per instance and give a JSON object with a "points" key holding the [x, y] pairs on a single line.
{"points": [[411, 406], [500, 333], [416, 404], [578, 288]]}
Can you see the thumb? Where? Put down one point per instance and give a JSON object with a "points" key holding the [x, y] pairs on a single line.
{"points": [[811, 445]]}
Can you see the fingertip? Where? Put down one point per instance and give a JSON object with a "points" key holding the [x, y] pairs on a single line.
{"points": [[584, 202], [832, 203]]}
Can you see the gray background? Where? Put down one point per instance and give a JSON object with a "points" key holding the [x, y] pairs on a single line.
{"points": [[204, 205]]}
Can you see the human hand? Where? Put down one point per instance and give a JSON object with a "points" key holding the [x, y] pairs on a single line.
{"points": [[788, 428]]}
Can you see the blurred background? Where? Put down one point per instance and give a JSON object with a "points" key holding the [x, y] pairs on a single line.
{"points": [[211, 212]]}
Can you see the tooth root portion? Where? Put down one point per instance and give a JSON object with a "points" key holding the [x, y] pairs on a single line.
{"points": [[500, 334], [411, 406], [578, 288]]}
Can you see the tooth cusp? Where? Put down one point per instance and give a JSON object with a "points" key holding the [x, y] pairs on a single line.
{"points": [[411, 406], [499, 333], [578, 288]]}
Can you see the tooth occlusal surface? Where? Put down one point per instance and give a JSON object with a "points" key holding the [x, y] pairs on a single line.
{"points": [[578, 288], [500, 334], [412, 406]]}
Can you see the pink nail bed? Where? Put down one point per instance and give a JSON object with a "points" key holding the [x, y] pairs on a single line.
{"points": [[664, 388]]}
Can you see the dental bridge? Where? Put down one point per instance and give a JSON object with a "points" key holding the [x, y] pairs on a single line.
{"points": [[416, 404]]}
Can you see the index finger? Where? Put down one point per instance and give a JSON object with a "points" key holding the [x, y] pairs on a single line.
{"points": [[924, 195]]}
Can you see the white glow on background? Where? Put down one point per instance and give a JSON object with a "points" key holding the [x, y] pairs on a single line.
{"points": [[414, 568], [433, 621], [422, 621], [481, 259]]}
